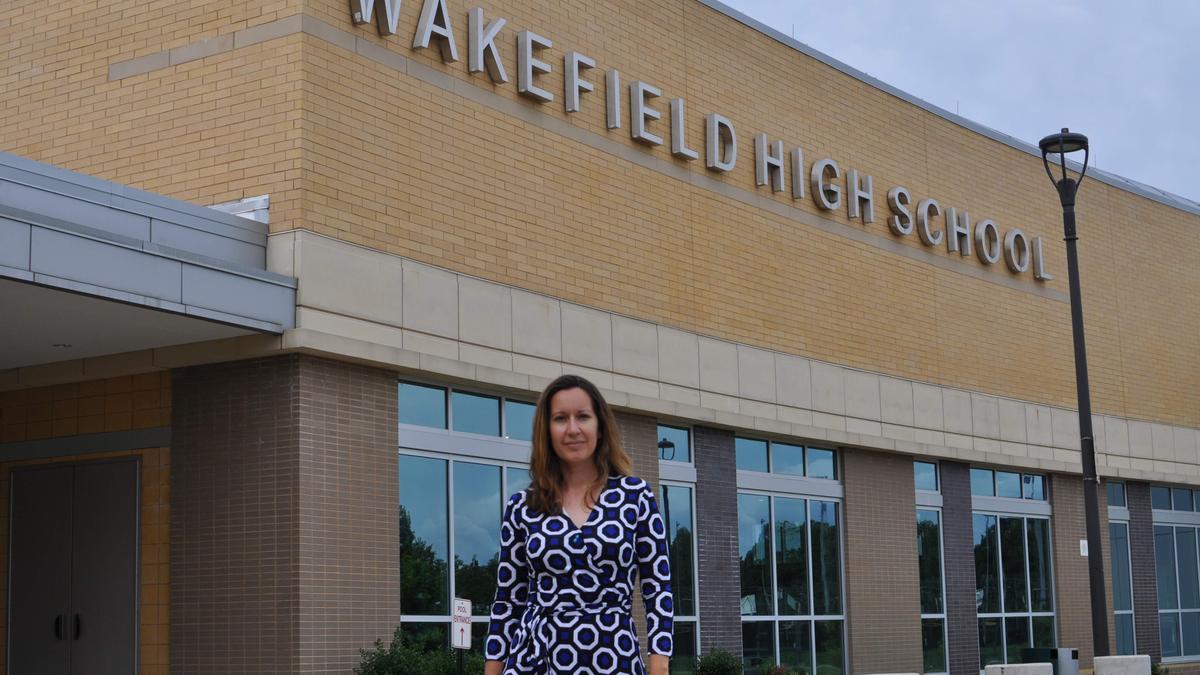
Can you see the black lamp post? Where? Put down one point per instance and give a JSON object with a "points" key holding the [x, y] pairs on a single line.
{"points": [[1063, 144]]}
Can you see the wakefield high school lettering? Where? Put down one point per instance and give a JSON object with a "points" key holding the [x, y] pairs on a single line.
{"points": [[772, 167]]}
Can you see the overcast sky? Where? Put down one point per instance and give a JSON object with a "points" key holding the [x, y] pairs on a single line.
{"points": [[1124, 72]]}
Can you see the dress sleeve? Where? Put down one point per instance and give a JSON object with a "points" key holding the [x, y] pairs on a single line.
{"points": [[512, 583], [654, 569]]}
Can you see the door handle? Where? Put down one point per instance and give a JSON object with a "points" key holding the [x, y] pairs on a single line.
{"points": [[58, 627], [77, 627]]}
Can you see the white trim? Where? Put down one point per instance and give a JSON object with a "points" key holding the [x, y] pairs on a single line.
{"points": [[463, 444], [929, 500], [676, 472], [1011, 506], [1184, 518], [798, 485]]}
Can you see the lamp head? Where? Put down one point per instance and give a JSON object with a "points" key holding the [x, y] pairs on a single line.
{"points": [[1062, 144]]}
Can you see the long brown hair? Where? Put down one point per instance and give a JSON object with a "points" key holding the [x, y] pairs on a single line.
{"points": [[545, 470]]}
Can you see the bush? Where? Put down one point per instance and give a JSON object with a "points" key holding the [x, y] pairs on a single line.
{"points": [[400, 658], [719, 662]]}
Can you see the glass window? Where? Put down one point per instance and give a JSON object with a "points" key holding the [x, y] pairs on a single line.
{"points": [[424, 536], [477, 513], [758, 645], [422, 405], [933, 645], [1160, 498], [987, 565], [926, 476], [981, 483], [1122, 588], [929, 561], [674, 444], [1178, 572], [450, 515], [822, 463], [929, 566], [1116, 494], [676, 506], [1014, 593], [791, 556], [1181, 499], [791, 581], [787, 459], [1034, 487], [518, 479], [675, 501], [751, 454], [1008, 484], [518, 420], [475, 414], [754, 552]]}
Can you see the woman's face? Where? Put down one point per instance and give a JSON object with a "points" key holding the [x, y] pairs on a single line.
{"points": [[573, 426]]}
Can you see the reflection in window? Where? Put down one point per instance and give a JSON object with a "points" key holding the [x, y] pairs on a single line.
{"points": [[754, 552], [781, 601], [674, 444], [422, 405], [787, 459], [1160, 498], [1008, 484], [1122, 586], [1116, 494], [675, 502], [475, 414], [925, 476], [1014, 593], [929, 566], [424, 536], [1181, 499], [822, 463], [518, 420], [430, 490], [477, 512], [751, 454]]}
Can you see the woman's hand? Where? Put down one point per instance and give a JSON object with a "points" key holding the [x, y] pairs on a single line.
{"points": [[496, 668], [658, 664]]}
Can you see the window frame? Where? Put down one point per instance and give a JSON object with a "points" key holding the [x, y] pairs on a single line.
{"points": [[783, 486], [1025, 514], [931, 500], [674, 470], [1129, 566], [1175, 520], [694, 619]]}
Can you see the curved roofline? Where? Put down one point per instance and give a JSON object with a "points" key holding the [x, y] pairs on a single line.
{"points": [[1115, 180]]}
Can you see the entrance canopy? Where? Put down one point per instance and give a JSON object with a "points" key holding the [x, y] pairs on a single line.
{"points": [[89, 267]]}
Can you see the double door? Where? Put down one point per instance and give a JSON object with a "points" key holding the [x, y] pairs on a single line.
{"points": [[73, 569]]}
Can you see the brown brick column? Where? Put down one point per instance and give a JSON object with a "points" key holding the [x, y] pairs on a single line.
{"points": [[958, 563], [1072, 595], [1145, 585], [717, 541], [284, 551], [639, 439], [882, 582], [349, 519]]}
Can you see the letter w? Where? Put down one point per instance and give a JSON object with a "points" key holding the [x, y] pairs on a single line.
{"points": [[388, 14]]}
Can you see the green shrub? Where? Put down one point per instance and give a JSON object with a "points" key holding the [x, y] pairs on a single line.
{"points": [[719, 662], [401, 658]]}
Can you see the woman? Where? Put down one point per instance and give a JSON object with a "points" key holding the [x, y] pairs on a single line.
{"points": [[570, 547]]}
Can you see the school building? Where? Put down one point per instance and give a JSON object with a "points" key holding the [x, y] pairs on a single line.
{"points": [[280, 282]]}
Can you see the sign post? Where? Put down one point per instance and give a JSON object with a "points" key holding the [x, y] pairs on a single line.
{"points": [[460, 629]]}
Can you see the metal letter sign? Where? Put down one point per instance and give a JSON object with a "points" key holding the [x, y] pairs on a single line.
{"points": [[460, 629]]}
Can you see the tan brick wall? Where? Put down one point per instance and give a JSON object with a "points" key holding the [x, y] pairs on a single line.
{"points": [[882, 583], [114, 404], [367, 153]]}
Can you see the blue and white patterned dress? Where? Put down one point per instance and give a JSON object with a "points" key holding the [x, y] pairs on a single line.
{"points": [[564, 593]]}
